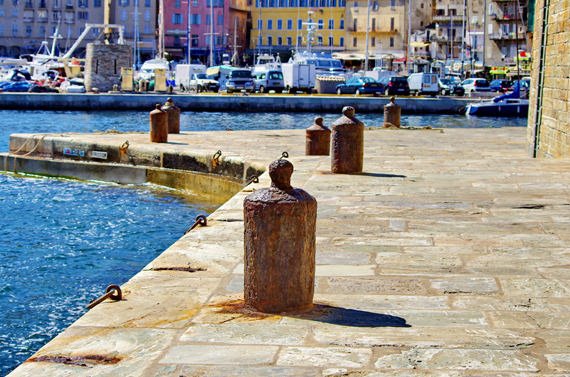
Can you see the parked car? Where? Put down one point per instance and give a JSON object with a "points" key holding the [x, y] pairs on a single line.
{"points": [[476, 85], [201, 82], [394, 85], [423, 83], [238, 80], [500, 85], [450, 87], [359, 85], [268, 80]]}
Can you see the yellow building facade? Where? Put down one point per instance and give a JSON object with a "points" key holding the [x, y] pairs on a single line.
{"points": [[281, 25]]}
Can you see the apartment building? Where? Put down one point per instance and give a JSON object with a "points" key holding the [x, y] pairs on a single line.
{"points": [[506, 31], [25, 24], [209, 28], [282, 26]]}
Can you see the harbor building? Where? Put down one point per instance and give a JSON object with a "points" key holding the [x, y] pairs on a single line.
{"points": [[458, 32], [280, 26], [506, 31], [214, 27], [548, 129], [25, 24]]}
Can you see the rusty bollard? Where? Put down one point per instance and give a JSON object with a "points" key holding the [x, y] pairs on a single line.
{"points": [[173, 116], [318, 140], [279, 257], [392, 114], [347, 143], [158, 125]]}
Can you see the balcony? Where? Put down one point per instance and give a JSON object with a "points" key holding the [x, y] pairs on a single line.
{"points": [[456, 19], [42, 16], [506, 17], [506, 37], [372, 32], [69, 18], [28, 15], [29, 4]]}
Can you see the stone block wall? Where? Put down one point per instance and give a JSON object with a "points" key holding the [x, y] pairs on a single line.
{"points": [[103, 65], [549, 110]]}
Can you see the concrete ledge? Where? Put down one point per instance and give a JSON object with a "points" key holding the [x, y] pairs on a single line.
{"points": [[214, 188], [214, 102]]}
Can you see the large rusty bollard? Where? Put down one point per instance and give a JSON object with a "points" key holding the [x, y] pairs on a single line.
{"points": [[392, 114], [173, 116], [158, 125], [347, 143], [318, 139], [279, 257]]}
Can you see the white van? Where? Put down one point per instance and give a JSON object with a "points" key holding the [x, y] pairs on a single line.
{"points": [[423, 83]]}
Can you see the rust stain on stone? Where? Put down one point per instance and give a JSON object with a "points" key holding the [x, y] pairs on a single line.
{"points": [[80, 360], [187, 269], [239, 307]]}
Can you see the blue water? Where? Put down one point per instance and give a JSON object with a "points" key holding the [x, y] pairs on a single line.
{"points": [[90, 121], [62, 242]]}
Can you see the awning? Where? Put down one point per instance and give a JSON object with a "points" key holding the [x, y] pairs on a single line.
{"points": [[212, 71], [348, 56], [419, 44]]}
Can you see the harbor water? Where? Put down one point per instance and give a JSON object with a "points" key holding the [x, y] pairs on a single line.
{"points": [[62, 242]]}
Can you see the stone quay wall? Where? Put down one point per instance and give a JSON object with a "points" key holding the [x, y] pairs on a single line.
{"points": [[549, 111]]}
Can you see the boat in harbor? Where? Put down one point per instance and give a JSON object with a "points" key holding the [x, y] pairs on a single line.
{"points": [[510, 104]]}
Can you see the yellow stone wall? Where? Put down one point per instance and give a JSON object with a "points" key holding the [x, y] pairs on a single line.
{"points": [[549, 113]]}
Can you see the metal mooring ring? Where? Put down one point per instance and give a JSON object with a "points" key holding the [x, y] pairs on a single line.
{"points": [[118, 296], [124, 146], [200, 220], [284, 155], [252, 179]]}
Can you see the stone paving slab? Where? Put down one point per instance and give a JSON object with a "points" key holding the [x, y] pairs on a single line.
{"points": [[447, 257]]}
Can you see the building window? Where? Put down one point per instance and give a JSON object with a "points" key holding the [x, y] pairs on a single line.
{"points": [[97, 3], [373, 41], [1, 12], [322, 3], [123, 3], [302, 3], [56, 16], [331, 24], [299, 24], [83, 3], [279, 41], [392, 23], [177, 19], [321, 24], [1, 29], [391, 41], [196, 19], [354, 24], [15, 3], [279, 24], [147, 3], [29, 4], [341, 42], [208, 20], [356, 4], [320, 41], [259, 24], [289, 41], [146, 15], [146, 29], [331, 41], [341, 3], [14, 29], [354, 42], [176, 3], [269, 24], [28, 30], [392, 3], [289, 24], [341, 27], [123, 14], [259, 43], [220, 19], [270, 41], [15, 12], [374, 24], [42, 30], [422, 5], [299, 41], [82, 15], [55, 4]]}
